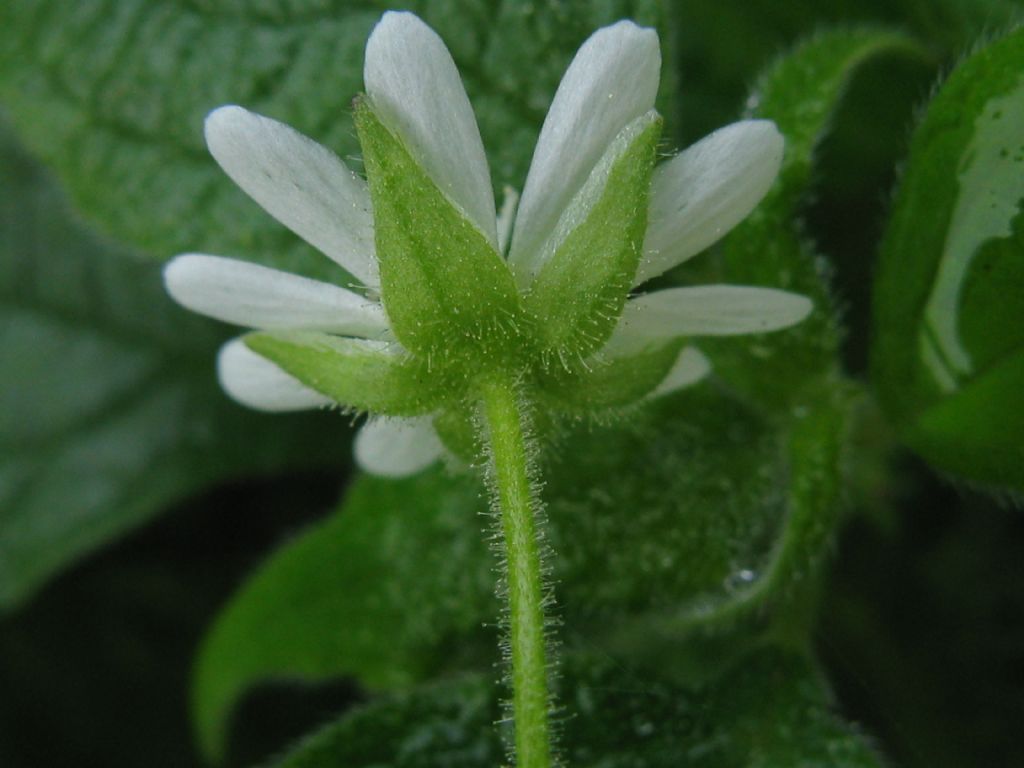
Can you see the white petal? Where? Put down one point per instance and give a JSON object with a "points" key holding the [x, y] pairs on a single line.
{"points": [[416, 91], [690, 367], [254, 381], [258, 297], [300, 183], [397, 447], [610, 83], [705, 191], [706, 310]]}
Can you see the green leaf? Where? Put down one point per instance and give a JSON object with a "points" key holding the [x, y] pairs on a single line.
{"points": [[948, 357], [729, 516], [109, 404], [773, 710], [978, 433], [358, 374], [773, 587], [679, 521], [379, 591], [720, 44], [113, 95], [447, 290], [450, 724], [800, 92], [577, 297]]}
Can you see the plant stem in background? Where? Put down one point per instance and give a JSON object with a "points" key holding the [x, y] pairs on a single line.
{"points": [[506, 435]]}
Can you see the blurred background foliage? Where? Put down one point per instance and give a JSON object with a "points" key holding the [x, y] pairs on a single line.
{"points": [[921, 628]]}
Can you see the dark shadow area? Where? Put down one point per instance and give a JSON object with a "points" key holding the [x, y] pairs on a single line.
{"points": [[922, 630], [95, 670]]}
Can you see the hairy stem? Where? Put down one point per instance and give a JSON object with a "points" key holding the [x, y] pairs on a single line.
{"points": [[514, 495]]}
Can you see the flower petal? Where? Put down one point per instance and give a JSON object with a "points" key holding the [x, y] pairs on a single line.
{"points": [[415, 90], [300, 183], [706, 190], [706, 310], [610, 83], [690, 367], [258, 297], [397, 447], [256, 382]]}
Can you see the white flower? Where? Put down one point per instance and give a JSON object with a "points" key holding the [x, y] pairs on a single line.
{"points": [[415, 90]]}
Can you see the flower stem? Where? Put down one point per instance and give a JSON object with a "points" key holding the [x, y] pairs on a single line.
{"points": [[514, 494]]}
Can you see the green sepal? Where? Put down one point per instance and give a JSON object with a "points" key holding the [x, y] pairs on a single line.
{"points": [[948, 314], [449, 294], [606, 384], [457, 429], [355, 373], [578, 295]]}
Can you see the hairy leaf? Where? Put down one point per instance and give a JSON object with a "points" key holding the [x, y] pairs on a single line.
{"points": [[725, 42], [109, 406], [113, 94], [379, 591], [772, 710], [800, 92], [688, 518]]}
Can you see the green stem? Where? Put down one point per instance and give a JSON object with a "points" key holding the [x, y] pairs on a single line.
{"points": [[511, 487]]}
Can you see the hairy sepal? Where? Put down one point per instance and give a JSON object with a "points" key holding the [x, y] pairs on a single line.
{"points": [[449, 295], [608, 383], [357, 374], [457, 429], [578, 295]]}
